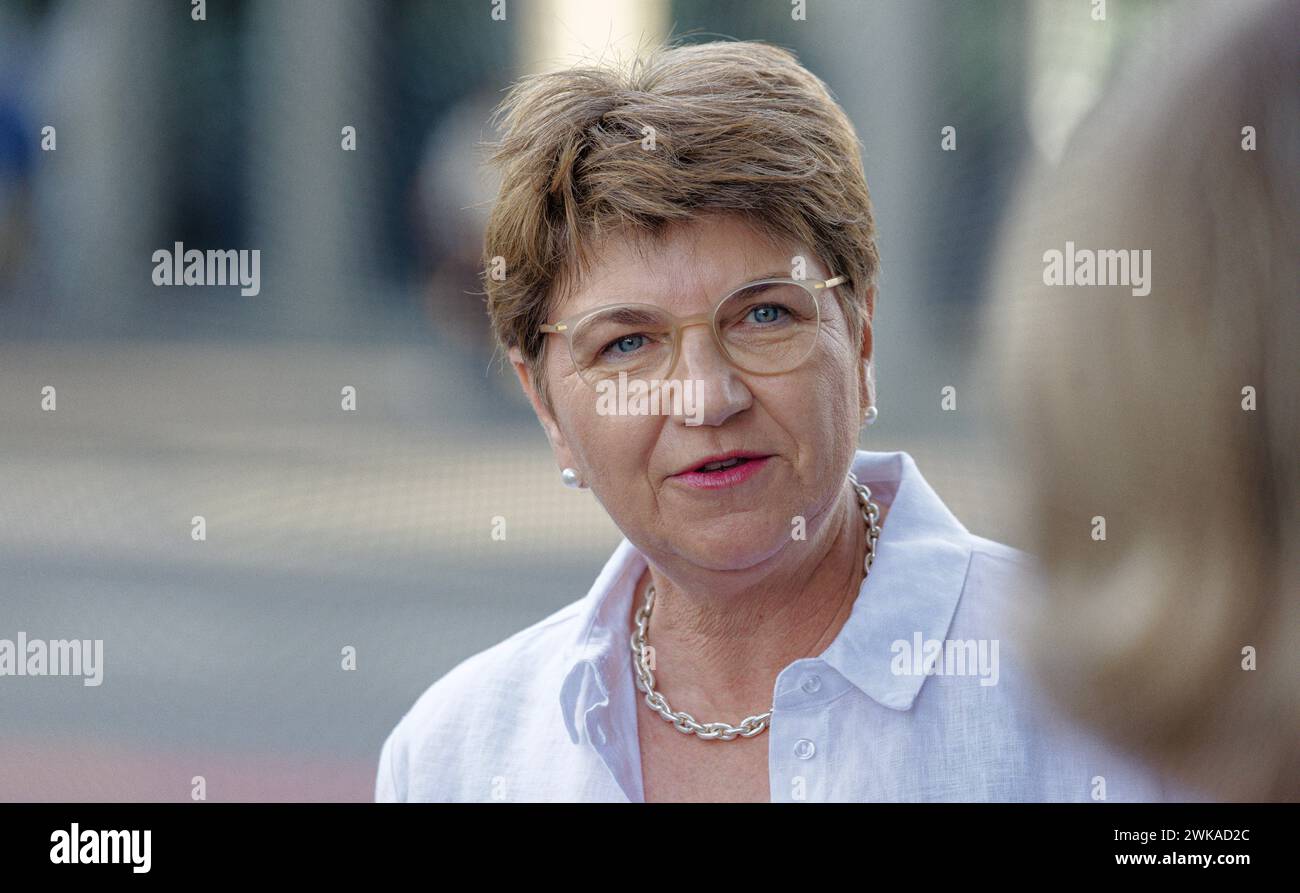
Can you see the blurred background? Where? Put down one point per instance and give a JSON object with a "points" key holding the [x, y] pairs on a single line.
{"points": [[372, 528]]}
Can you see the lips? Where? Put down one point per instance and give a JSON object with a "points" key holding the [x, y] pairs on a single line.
{"points": [[727, 470], [722, 461], [718, 466]]}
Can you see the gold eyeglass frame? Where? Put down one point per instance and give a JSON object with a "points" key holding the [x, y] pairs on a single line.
{"points": [[568, 325]]}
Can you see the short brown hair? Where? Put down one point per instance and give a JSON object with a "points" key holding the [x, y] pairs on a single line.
{"points": [[1136, 408], [739, 126]]}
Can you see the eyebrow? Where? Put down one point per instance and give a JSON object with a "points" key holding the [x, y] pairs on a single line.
{"points": [[629, 316], [779, 274]]}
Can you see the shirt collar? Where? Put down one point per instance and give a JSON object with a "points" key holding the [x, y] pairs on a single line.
{"points": [[915, 582]]}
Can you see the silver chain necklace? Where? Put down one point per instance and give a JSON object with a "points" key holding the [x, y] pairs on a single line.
{"points": [[750, 725]]}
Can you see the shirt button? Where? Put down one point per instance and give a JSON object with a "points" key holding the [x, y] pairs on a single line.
{"points": [[804, 749], [811, 683]]}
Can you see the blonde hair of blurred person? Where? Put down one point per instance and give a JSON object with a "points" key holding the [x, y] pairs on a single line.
{"points": [[1135, 408]]}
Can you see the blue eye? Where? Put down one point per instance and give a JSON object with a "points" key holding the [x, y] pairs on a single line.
{"points": [[626, 344], [767, 313]]}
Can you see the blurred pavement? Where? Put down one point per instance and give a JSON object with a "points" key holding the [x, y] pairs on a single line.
{"points": [[325, 528]]}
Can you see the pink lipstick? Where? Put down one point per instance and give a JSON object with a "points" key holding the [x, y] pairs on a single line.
{"points": [[727, 470]]}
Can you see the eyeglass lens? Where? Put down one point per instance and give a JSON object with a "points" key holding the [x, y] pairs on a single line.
{"points": [[763, 327]]}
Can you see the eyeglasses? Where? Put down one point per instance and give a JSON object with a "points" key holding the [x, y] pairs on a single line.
{"points": [[765, 327]]}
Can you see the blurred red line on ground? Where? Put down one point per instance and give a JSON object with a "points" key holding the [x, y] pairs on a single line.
{"points": [[44, 771]]}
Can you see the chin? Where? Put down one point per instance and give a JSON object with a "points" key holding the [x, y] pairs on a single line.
{"points": [[732, 544]]}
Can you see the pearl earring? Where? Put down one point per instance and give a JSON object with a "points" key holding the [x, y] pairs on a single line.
{"points": [[570, 477], [871, 415]]}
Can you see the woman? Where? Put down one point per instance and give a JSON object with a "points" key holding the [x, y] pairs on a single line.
{"points": [[1171, 417], [766, 629]]}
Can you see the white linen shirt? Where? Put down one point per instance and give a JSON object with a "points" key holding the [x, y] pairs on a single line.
{"points": [[551, 713]]}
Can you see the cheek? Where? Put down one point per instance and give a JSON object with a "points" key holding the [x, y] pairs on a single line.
{"points": [[819, 404], [841, 386], [614, 450]]}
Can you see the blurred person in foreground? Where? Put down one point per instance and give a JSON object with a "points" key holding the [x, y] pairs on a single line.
{"points": [[1170, 417], [803, 620]]}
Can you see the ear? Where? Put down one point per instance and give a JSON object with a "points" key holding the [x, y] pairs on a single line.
{"points": [[559, 445], [866, 364]]}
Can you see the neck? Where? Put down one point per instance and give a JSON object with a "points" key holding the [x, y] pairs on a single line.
{"points": [[720, 644]]}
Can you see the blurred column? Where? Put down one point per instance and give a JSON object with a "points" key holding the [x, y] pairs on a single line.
{"points": [[312, 67], [1070, 57], [97, 194], [557, 33], [873, 57]]}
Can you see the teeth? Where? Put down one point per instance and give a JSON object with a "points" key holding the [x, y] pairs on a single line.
{"points": [[716, 466]]}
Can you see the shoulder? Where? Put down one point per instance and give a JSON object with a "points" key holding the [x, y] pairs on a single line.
{"points": [[998, 577], [509, 680], [1009, 557], [1056, 758]]}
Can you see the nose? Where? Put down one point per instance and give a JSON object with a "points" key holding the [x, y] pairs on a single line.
{"points": [[719, 390]]}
